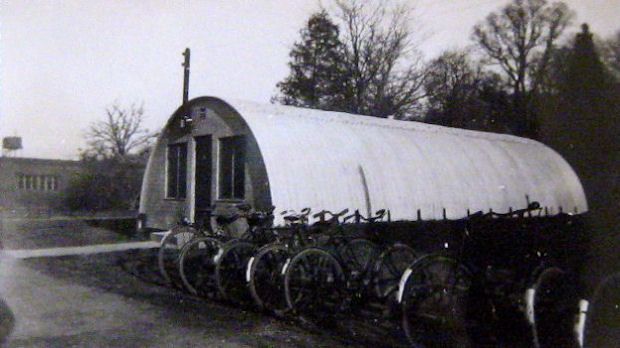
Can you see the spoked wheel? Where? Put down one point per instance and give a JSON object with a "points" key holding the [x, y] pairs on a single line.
{"points": [[170, 251], [433, 297], [265, 277], [358, 257], [555, 306], [314, 284], [389, 268], [197, 265], [603, 320], [230, 271]]}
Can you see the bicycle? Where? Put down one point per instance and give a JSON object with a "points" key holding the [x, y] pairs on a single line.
{"points": [[197, 258], [264, 269], [231, 264], [329, 277], [436, 289]]}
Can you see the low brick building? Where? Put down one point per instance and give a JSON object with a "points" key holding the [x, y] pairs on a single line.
{"points": [[33, 183]]}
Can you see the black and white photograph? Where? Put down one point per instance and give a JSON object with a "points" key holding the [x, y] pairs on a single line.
{"points": [[310, 173]]}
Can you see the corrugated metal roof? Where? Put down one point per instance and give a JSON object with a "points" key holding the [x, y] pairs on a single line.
{"points": [[330, 160]]}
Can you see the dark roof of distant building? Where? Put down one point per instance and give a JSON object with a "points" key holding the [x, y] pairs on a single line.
{"points": [[40, 160]]}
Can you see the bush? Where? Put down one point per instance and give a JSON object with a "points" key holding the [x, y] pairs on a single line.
{"points": [[105, 184]]}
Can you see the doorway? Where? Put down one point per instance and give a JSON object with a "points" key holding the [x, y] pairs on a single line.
{"points": [[202, 179]]}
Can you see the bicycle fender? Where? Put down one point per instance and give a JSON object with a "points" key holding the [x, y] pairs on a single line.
{"points": [[580, 325], [402, 283], [285, 267], [529, 305], [248, 270], [163, 237], [217, 256]]}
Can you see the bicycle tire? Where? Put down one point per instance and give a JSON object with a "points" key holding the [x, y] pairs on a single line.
{"points": [[389, 267], [196, 268], [266, 282], [555, 305], [230, 271], [602, 326], [169, 253], [314, 293], [433, 298]]}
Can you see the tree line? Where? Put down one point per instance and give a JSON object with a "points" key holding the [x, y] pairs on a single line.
{"points": [[364, 59]]}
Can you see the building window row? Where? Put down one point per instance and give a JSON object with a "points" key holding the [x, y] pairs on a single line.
{"points": [[38, 182]]}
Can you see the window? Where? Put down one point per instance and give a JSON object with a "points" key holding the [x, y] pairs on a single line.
{"points": [[231, 168], [177, 171], [37, 182], [21, 181]]}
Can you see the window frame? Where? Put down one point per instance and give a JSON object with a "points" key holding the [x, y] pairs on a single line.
{"points": [[180, 191], [227, 190]]}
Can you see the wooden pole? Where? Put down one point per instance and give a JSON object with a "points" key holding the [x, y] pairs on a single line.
{"points": [[186, 54]]}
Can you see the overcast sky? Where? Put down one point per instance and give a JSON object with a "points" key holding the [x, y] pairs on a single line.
{"points": [[63, 62]]}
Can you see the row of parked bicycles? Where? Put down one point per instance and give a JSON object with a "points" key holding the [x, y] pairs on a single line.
{"points": [[341, 266]]}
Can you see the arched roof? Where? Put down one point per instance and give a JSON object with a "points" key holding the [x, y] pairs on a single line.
{"points": [[332, 160]]}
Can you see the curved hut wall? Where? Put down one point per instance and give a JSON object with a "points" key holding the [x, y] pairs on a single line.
{"points": [[296, 158]]}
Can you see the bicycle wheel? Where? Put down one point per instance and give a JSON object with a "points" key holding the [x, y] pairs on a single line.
{"points": [[433, 297], [603, 320], [555, 307], [314, 284], [169, 253], [197, 265], [230, 271], [265, 277], [358, 257], [389, 267]]}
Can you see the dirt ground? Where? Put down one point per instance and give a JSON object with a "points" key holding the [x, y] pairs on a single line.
{"points": [[43, 233], [117, 299]]}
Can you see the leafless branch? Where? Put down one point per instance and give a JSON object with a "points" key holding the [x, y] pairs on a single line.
{"points": [[120, 134]]}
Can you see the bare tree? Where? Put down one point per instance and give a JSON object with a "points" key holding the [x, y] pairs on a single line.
{"points": [[459, 93], [520, 39], [119, 134], [451, 79], [384, 67], [611, 54]]}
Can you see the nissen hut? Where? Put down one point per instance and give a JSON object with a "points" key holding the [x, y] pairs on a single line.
{"points": [[293, 158]]}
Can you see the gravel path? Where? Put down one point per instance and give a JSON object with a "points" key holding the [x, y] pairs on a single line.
{"points": [[79, 250]]}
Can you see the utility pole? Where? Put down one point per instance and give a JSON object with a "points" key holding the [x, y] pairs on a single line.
{"points": [[186, 115]]}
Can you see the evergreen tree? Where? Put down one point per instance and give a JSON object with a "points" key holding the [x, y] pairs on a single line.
{"points": [[317, 75], [586, 94], [372, 68], [587, 127], [587, 81]]}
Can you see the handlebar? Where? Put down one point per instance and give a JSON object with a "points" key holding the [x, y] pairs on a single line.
{"points": [[293, 216], [359, 217], [334, 216], [520, 212]]}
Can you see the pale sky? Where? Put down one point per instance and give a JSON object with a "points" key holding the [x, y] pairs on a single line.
{"points": [[63, 62]]}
